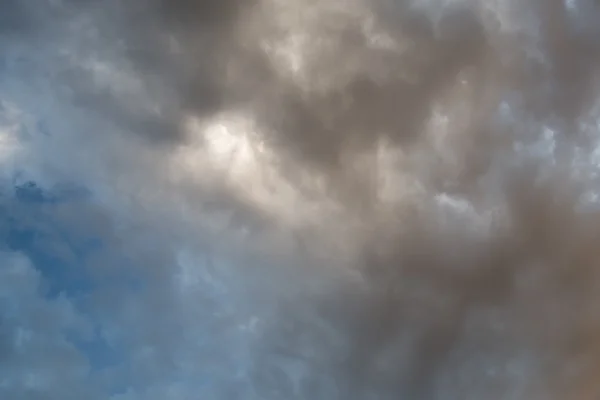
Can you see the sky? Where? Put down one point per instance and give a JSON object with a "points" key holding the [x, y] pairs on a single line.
{"points": [[299, 199]]}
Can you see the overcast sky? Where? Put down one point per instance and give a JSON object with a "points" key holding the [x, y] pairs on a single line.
{"points": [[299, 199]]}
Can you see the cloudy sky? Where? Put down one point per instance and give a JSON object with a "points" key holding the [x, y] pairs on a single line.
{"points": [[299, 199]]}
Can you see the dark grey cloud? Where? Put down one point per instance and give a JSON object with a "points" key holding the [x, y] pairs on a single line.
{"points": [[320, 128], [15, 18], [201, 14], [478, 279]]}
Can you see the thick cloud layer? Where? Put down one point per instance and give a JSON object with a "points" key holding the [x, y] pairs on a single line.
{"points": [[298, 199]]}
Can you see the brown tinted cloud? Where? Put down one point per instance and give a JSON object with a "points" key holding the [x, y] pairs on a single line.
{"points": [[482, 281]]}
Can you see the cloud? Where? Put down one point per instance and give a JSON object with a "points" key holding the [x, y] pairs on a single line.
{"points": [[299, 199], [37, 360]]}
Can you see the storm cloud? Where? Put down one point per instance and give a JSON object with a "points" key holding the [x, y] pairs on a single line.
{"points": [[269, 199]]}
